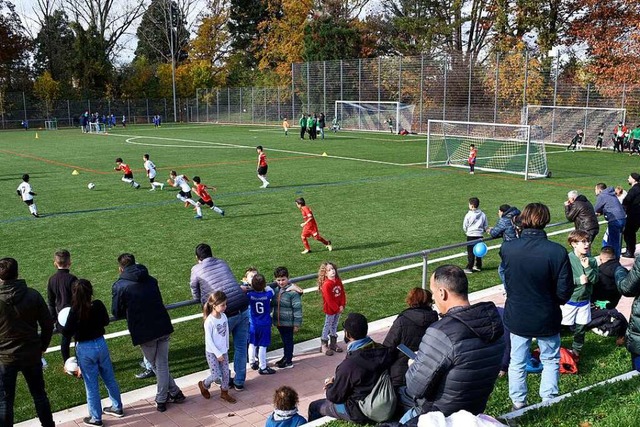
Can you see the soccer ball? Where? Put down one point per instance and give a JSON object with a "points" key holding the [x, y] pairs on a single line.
{"points": [[91, 186], [71, 366]]}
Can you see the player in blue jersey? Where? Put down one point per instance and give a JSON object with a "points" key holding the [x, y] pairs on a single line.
{"points": [[260, 329]]}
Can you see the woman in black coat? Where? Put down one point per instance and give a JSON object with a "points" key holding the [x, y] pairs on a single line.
{"points": [[408, 329]]}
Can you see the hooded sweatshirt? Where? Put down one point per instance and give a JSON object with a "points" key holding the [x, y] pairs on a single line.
{"points": [[608, 205], [458, 361], [136, 297], [22, 311], [475, 223]]}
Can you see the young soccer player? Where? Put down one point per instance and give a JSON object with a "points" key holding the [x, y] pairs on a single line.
{"points": [[262, 166], [334, 300], [310, 227], [285, 414], [59, 294], [577, 310], [205, 199], [216, 338], [25, 191], [607, 289], [184, 195], [600, 139], [474, 225], [286, 308], [473, 156], [285, 126], [390, 123], [260, 326], [127, 173], [150, 167]]}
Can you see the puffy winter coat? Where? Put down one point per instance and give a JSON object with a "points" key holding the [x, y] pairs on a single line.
{"points": [[136, 297], [505, 226], [286, 308], [629, 286], [22, 311], [583, 215], [458, 361], [213, 274], [538, 280], [407, 329]]}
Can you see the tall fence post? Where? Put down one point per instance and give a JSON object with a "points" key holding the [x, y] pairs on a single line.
{"points": [[308, 91], [324, 87], [24, 106], [555, 98], [69, 113], [495, 91], [197, 106], [444, 95], [400, 81], [526, 78], [469, 91], [425, 259], [293, 93], [147, 100], [421, 89]]}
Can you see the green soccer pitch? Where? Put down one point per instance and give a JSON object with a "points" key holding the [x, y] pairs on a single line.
{"points": [[370, 193]]}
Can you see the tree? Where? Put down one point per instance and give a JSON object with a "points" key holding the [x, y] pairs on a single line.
{"points": [[611, 33], [47, 90], [14, 46], [138, 80], [91, 66], [328, 38], [244, 18], [54, 48], [162, 33], [211, 44]]}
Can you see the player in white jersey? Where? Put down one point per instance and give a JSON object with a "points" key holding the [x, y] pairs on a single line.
{"points": [[184, 194], [26, 192], [150, 167]]}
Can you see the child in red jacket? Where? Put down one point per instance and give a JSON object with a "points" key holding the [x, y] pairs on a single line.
{"points": [[334, 300]]}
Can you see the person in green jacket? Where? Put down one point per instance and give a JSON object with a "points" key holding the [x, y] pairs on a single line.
{"points": [[286, 308], [303, 125], [311, 126], [634, 137], [628, 284], [577, 311]]}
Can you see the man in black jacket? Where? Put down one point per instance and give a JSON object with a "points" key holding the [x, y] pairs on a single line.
{"points": [[460, 355], [136, 297], [631, 204], [538, 280], [579, 210], [355, 377], [22, 311]]}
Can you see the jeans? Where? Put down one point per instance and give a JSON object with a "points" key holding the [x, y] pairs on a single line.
{"points": [[286, 333], [612, 237], [239, 329], [550, 358], [472, 259], [330, 326], [635, 361], [157, 353], [322, 407], [94, 359], [501, 272], [35, 381]]}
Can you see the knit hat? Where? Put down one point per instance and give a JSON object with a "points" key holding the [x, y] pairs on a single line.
{"points": [[356, 325], [635, 176]]}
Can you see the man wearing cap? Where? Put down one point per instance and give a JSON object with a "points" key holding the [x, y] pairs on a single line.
{"points": [[460, 355], [631, 204], [607, 204], [355, 377]]}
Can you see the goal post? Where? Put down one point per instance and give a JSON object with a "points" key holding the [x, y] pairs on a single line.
{"points": [[501, 147], [374, 115], [557, 124]]}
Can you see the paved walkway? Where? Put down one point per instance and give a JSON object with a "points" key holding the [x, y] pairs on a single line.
{"points": [[254, 403]]}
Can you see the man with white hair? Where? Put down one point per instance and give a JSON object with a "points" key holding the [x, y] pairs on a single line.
{"points": [[579, 210]]}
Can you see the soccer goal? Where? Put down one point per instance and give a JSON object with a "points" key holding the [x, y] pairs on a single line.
{"points": [[374, 115], [558, 124], [96, 127], [501, 147], [51, 124]]}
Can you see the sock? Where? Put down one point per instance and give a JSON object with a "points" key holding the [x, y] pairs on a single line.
{"points": [[262, 357], [191, 202], [320, 239], [217, 209], [252, 353], [33, 209], [306, 244], [156, 184], [263, 179], [198, 210]]}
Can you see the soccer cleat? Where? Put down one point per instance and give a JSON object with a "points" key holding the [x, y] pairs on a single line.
{"points": [[35, 215], [110, 410], [198, 217], [476, 269], [329, 247], [255, 366], [468, 270], [153, 189], [267, 371], [306, 251], [161, 186], [266, 184]]}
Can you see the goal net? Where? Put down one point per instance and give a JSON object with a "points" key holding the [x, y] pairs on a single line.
{"points": [[387, 116], [501, 147], [97, 127], [558, 124]]}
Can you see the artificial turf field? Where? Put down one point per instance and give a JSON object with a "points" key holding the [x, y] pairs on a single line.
{"points": [[371, 195]]}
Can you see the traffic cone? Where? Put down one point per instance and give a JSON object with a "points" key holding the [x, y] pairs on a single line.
{"points": [[75, 172], [324, 154], [37, 137]]}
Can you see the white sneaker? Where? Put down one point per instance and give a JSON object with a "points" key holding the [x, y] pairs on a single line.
{"points": [[161, 186], [266, 184], [153, 189]]}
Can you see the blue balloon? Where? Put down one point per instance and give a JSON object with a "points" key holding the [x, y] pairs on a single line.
{"points": [[480, 249]]}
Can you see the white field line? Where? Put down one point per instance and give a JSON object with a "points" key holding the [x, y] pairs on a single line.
{"points": [[474, 295]]}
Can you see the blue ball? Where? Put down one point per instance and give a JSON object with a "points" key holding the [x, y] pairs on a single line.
{"points": [[480, 249]]}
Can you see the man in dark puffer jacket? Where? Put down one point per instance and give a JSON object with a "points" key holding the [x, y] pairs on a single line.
{"points": [[460, 356], [579, 210], [629, 286]]}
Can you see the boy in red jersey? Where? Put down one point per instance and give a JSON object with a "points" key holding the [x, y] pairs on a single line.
{"points": [[473, 154], [128, 174], [310, 227], [205, 199], [262, 166]]}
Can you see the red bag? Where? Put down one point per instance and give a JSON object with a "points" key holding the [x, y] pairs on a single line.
{"points": [[568, 360]]}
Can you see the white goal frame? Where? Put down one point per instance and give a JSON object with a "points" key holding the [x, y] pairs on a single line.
{"points": [[381, 115], [588, 124], [522, 142], [97, 127], [51, 125]]}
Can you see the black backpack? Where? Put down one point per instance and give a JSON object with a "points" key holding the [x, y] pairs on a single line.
{"points": [[607, 322]]}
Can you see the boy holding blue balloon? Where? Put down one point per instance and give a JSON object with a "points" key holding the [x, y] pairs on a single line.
{"points": [[474, 225]]}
